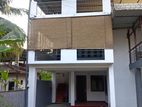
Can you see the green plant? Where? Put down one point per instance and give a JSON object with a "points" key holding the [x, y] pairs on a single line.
{"points": [[17, 82], [45, 75], [4, 78]]}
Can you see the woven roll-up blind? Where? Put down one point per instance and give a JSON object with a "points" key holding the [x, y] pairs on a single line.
{"points": [[92, 32], [76, 33], [49, 33]]}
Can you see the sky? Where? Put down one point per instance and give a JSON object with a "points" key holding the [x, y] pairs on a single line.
{"points": [[21, 21]]}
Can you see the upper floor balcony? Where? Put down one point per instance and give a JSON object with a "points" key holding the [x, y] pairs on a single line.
{"points": [[68, 8]]}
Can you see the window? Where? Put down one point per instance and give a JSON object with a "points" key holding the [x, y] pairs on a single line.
{"points": [[97, 83], [90, 54], [50, 6], [89, 6], [48, 54]]}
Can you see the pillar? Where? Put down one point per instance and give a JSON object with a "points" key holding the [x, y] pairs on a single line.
{"points": [[72, 84], [111, 87], [32, 80], [53, 87]]}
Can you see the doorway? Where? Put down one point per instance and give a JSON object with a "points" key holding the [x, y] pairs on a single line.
{"points": [[81, 94]]}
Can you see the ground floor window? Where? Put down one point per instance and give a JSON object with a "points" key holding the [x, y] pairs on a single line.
{"points": [[97, 83]]}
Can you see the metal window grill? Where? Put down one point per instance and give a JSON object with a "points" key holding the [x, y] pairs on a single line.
{"points": [[89, 6], [136, 53], [46, 55], [90, 54], [50, 6]]}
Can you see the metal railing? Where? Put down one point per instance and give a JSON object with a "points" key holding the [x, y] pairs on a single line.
{"points": [[50, 7], [126, 1], [136, 53]]}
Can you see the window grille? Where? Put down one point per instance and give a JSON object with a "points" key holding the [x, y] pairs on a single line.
{"points": [[90, 54], [46, 55]]}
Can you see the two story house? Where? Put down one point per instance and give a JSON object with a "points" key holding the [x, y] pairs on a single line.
{"points": [[93, 48]]}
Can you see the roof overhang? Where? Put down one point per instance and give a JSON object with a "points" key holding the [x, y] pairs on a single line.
{"points": [[125, 15]]}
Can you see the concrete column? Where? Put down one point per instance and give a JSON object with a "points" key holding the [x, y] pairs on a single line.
{"points": [[32, 87], [33, 9], [69, 87], [112, 87], [138, 87], [53, 87], [72, 76]]}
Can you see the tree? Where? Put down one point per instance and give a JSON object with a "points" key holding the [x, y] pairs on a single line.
{"points": [[12, 39], [6, 9], [4, 78]]}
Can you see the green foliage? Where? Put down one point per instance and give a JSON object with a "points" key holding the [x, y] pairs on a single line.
{"points": [[5, 8], [12, 39], [4, 103], [45, 75], [4, 75], [17, 82]]}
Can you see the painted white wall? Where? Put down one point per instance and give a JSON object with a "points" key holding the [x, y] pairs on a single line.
{"points": [[93, 96], [69, 8], [69, 56], [32, 86], [125, 88]]}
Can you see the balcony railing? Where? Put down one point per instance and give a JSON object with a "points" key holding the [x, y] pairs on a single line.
{"points": [[48, 55], [136, 53], [126, 1]]}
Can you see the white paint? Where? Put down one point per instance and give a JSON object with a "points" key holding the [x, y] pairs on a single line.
{"points": [[33, 9], [69, 87], [93, 96], [69, 56], [31, 57], [53, 87], [107, 6], [112, 87], [68, 7], [125, 88], [32, 87], [72, 88]]}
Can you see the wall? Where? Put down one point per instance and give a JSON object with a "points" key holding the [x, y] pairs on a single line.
{"points": [[15, 98], [13, 76], [93, 96], [124, 78]]}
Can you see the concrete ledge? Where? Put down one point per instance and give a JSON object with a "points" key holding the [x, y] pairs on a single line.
{"points": [[137, 64], [128, 6]]}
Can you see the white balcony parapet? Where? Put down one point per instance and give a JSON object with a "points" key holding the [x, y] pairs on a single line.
{"points": [[69, 56], [68, 9]]}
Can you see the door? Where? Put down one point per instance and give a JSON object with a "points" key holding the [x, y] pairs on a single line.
{"points": [[81, 88]]}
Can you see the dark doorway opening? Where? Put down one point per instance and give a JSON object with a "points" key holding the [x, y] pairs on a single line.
{"points": [[11, 86], [81, 95]]}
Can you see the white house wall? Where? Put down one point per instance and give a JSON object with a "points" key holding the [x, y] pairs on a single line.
{"points": [[69, 56], [124, 78], [93, 96]]}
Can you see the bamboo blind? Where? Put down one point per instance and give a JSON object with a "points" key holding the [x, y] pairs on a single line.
{"points": [[77, 33]]}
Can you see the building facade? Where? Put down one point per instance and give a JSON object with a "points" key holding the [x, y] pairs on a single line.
{"points": [[93, 48]]}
